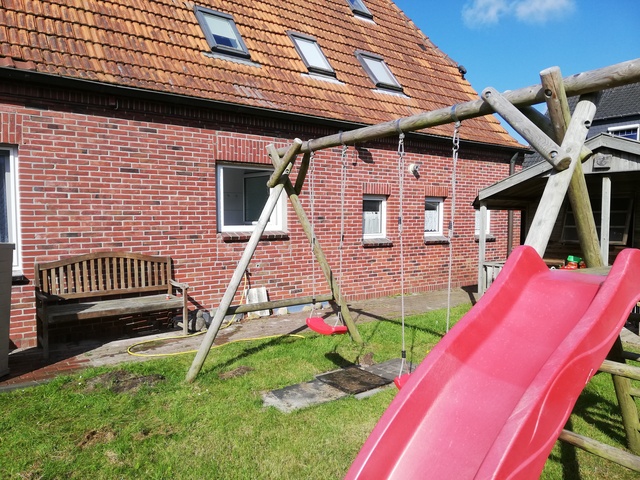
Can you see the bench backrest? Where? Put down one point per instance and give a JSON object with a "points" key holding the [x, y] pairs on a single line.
{"points": [[104, 273]]}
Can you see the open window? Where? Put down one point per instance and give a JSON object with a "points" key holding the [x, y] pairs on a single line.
{"points": [[311, 54], [242, 194], [378, 71], [9, 209], [359, 9], [221, 32], [374, 216]]}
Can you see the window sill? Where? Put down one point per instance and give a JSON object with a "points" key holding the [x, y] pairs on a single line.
{"points": [[490, 238], [237, 237], [376, 242], [435, 240]]}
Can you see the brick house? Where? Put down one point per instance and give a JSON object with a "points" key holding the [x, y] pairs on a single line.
{"points": [[142, 126]]}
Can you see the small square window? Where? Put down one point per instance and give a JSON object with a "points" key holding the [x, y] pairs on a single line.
{"points": [[433, 215], [626, 131], [358, 7], [311, 54], [221, 32], [242, 194], [374, 216], [378, 71]]}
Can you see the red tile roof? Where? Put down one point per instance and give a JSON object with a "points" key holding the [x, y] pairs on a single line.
{"points": [[158, 45]]}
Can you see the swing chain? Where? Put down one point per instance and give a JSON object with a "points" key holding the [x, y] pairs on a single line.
{"points": [[312, 200]]}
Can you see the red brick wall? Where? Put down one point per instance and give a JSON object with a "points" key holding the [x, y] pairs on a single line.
{"points": [[104, 173]]}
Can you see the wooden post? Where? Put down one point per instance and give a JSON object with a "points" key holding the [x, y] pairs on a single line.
{"points": [[242, 266], [628, 407], [560, 116], [558, 183], [605, 219], [482, 246], [546, 147], [318, 252], [602, 450]]}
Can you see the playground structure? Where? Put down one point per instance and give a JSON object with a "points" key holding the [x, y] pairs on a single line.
{"points": [[592, 326]]}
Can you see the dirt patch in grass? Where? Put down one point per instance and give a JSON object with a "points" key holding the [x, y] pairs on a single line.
{"points": [[94, 437], [236, 372], [121, 381]]}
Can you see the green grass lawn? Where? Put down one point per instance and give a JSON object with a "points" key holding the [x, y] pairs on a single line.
{"points": [[77, 427]]}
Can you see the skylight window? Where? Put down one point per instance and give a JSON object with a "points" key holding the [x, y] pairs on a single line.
{"points": [[311, 54], [358, 7], [378, 71], [221, 32]]}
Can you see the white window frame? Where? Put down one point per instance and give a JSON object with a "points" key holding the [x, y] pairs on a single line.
{"points": [[9, 161], [379, 72], [311, 54], [277, 222], [205, 17], [439, 202], [476, 227], [383, 216], [615, 131]]}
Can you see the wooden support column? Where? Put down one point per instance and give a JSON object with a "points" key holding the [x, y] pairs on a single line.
{"points": [[242, 266], [558, 108], [628, 407], [550, 151], [482, 246], [605, 220], [317, 251]]}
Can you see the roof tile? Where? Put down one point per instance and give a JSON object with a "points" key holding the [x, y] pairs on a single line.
{"points": [[159, 45]]}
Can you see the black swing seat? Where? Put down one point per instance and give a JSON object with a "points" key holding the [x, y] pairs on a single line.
{"points": [[317, 324]]}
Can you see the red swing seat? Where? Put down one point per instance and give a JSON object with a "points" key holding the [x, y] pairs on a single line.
{"points": [[317, 324]]}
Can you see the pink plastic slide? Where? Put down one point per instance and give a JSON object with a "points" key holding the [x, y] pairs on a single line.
{"points": [[490, 400]]}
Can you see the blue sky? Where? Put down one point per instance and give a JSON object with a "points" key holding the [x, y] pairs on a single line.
{"points": [[506, 43]]}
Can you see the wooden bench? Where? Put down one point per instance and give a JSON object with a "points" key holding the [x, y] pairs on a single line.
{"points": [[104, 284]]}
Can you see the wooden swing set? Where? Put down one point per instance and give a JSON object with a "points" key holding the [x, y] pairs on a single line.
{"points": [[558, 138]]}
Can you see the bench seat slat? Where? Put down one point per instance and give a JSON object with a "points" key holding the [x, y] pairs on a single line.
{"points": [[112, 308]]}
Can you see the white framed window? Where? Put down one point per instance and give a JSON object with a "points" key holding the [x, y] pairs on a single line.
{"points": [[476, 228], [433, 216], [374, 216], [378, 71], [242, 194], [311, 54], [221, 32], [626, 131], [359, 8], [9, 208]]}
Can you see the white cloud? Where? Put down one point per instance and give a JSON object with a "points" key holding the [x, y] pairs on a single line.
{"points": [[480, 13], [541, 11], [484, 12]]}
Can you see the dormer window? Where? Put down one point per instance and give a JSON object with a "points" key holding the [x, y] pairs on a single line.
{"points": [[311, 54], [626, 131], [221, 32], [358, 7], [378, 71]]}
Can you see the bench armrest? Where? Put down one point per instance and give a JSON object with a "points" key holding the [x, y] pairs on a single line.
{"points": [[43, 298], [182, 286]]}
